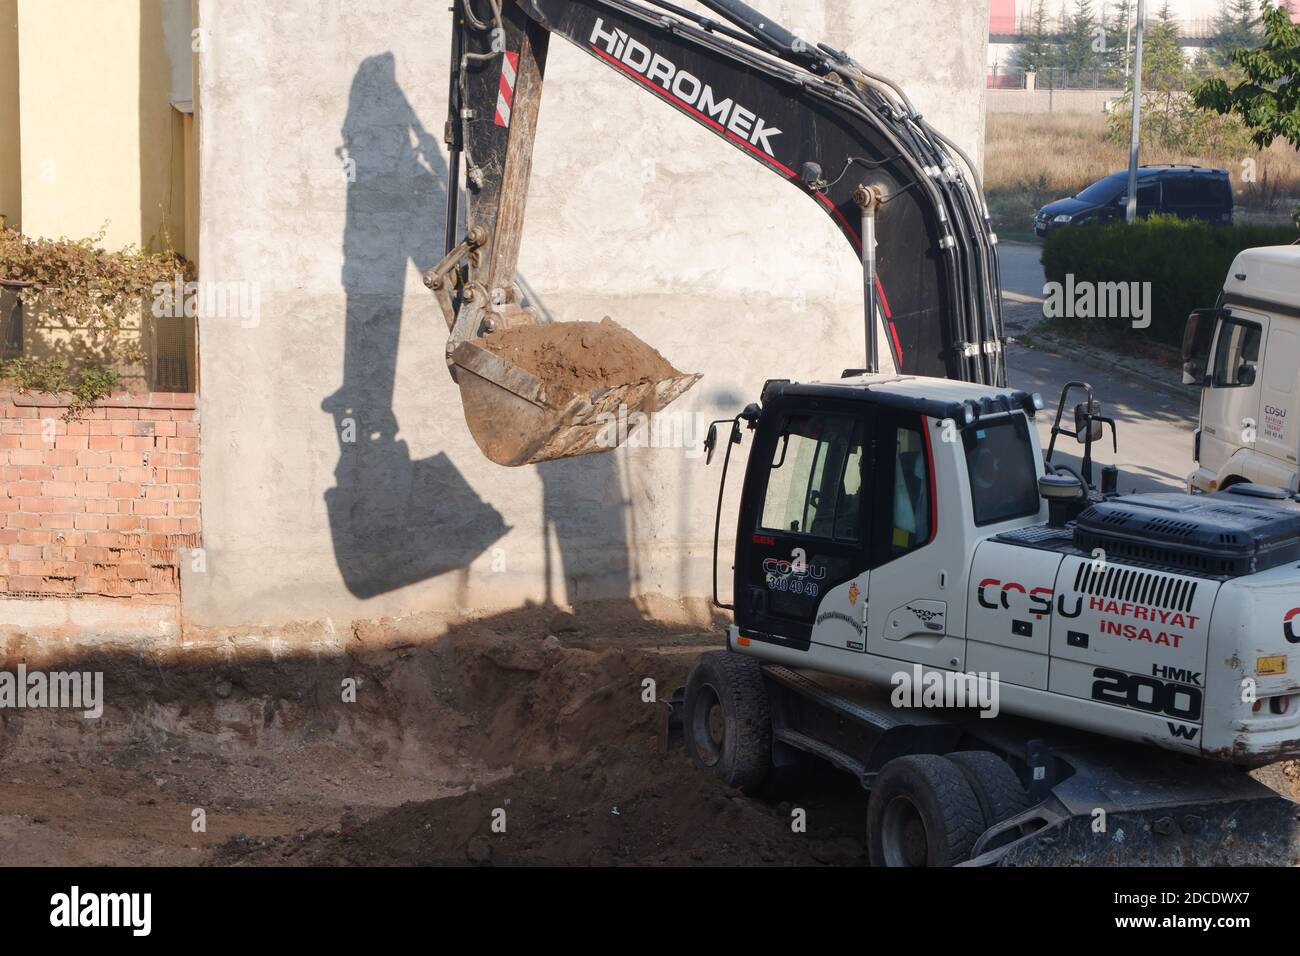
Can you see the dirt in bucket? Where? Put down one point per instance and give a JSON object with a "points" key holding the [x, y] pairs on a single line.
{"points": [[576, 357]]}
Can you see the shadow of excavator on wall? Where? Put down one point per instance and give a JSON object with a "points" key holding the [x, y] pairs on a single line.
{"points": [[395, 521]]}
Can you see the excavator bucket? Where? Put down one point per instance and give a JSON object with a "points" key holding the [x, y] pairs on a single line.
{"points": [[518, 417], [532, 391]]}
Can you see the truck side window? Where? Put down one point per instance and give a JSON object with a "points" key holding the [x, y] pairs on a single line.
{"points": [[1238, 348], [815, 484]]}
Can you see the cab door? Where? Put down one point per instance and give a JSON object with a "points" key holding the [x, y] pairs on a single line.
{"points": [[911, 615], [803, 517], [1230, 420], [1277, 433]]}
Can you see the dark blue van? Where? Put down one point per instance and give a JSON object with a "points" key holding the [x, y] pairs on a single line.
{"points": [[1189, 192]]}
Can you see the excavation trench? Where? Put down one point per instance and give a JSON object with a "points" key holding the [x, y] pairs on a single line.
{"points": [[401, 743], [535, 719]]}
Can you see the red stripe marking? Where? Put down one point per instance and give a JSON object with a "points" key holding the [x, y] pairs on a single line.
{"points": [[934, 498], [771, 161], [702, 117], [884, 299], [898, 346], [839, 216]]}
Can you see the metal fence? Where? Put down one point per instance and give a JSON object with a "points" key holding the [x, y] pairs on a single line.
{"points": [[1058, 78]]}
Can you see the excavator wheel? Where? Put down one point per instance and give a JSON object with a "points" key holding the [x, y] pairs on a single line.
{"points": [[922, 813], [996, 786], [727, 722]]}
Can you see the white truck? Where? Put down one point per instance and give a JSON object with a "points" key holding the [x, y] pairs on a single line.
{"points": [[1245, 353]]}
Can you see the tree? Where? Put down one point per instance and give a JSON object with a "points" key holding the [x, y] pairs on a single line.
{"points": [[1038, 52], [1170, 118], [1079, 46], [1267, 99], [1118, 53], [1237, 27]]}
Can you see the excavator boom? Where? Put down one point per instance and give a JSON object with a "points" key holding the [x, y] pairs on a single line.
{"points": [[847, 138]]}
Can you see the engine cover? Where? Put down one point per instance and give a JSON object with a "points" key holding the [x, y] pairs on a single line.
{"points": [[1210, 536]]}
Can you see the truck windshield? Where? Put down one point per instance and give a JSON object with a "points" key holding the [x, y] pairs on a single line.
{"points": [[1003, 476]]}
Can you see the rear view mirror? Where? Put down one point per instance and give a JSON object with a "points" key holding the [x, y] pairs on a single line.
{"points": [[1087, 426], [1197, 337], [1246, 375], [710, 444], [711, 438]]}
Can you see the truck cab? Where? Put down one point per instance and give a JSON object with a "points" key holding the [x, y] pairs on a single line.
{"points": [[876, 488], [1245, 355]]}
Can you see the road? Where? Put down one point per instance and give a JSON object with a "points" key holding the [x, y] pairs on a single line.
{"points": [[1022, 273], [1155, 423]]}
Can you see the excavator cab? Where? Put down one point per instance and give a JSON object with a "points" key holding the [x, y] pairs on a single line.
{"points": [[535, 390]]}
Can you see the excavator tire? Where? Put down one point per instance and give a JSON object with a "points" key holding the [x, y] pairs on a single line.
{"points": [[922, 813], [726, 721], [996, 786]]}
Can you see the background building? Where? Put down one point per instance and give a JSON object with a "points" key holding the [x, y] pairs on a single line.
{"points": [[1010, 20]]}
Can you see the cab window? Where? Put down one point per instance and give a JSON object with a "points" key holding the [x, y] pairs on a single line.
{"points": [[910, 527], [1237, 351], [1001, 468], [902, 504], [814, 486]]}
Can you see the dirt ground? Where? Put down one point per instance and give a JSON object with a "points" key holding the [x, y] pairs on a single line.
{"points": [[576, 357], [536, 717]]}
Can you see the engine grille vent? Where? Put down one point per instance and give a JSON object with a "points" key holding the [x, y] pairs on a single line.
{"points": [[1136, 587]]}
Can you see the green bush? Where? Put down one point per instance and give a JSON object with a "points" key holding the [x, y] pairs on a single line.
{"points": [[83, 387], [1186, 262]]}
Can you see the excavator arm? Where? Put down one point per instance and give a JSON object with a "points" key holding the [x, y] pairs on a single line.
{"points": [[846, 137]]}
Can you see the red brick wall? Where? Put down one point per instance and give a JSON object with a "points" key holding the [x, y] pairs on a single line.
{"points": [[106, 508]]}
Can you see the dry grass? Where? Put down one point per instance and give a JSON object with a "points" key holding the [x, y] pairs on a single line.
{"points": [[1033, 159]]}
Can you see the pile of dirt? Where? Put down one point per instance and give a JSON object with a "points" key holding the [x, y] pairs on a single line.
{"points": [[576, 357], [545, 716], [541, 718], [615, 806]]}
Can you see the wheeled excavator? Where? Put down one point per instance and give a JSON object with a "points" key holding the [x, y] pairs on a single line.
{"points": [[904, 526], [903, 195]]}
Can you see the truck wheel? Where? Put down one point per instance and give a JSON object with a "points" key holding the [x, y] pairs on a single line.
{"points": [[996, 786], [922, 812], [726, 721]]}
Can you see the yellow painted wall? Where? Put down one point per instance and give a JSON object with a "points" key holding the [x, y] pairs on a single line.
{"points": [[10, 169], [100, 139]]}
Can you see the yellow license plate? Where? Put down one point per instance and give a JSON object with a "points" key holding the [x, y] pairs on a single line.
{"points": [[1268, 666]]}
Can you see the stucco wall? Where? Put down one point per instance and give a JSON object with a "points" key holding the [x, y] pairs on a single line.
{"points": [[634, 212], [98, 133]]}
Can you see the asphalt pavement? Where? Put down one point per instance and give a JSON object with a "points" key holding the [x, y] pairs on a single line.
{"points": [[1155, 420]]}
